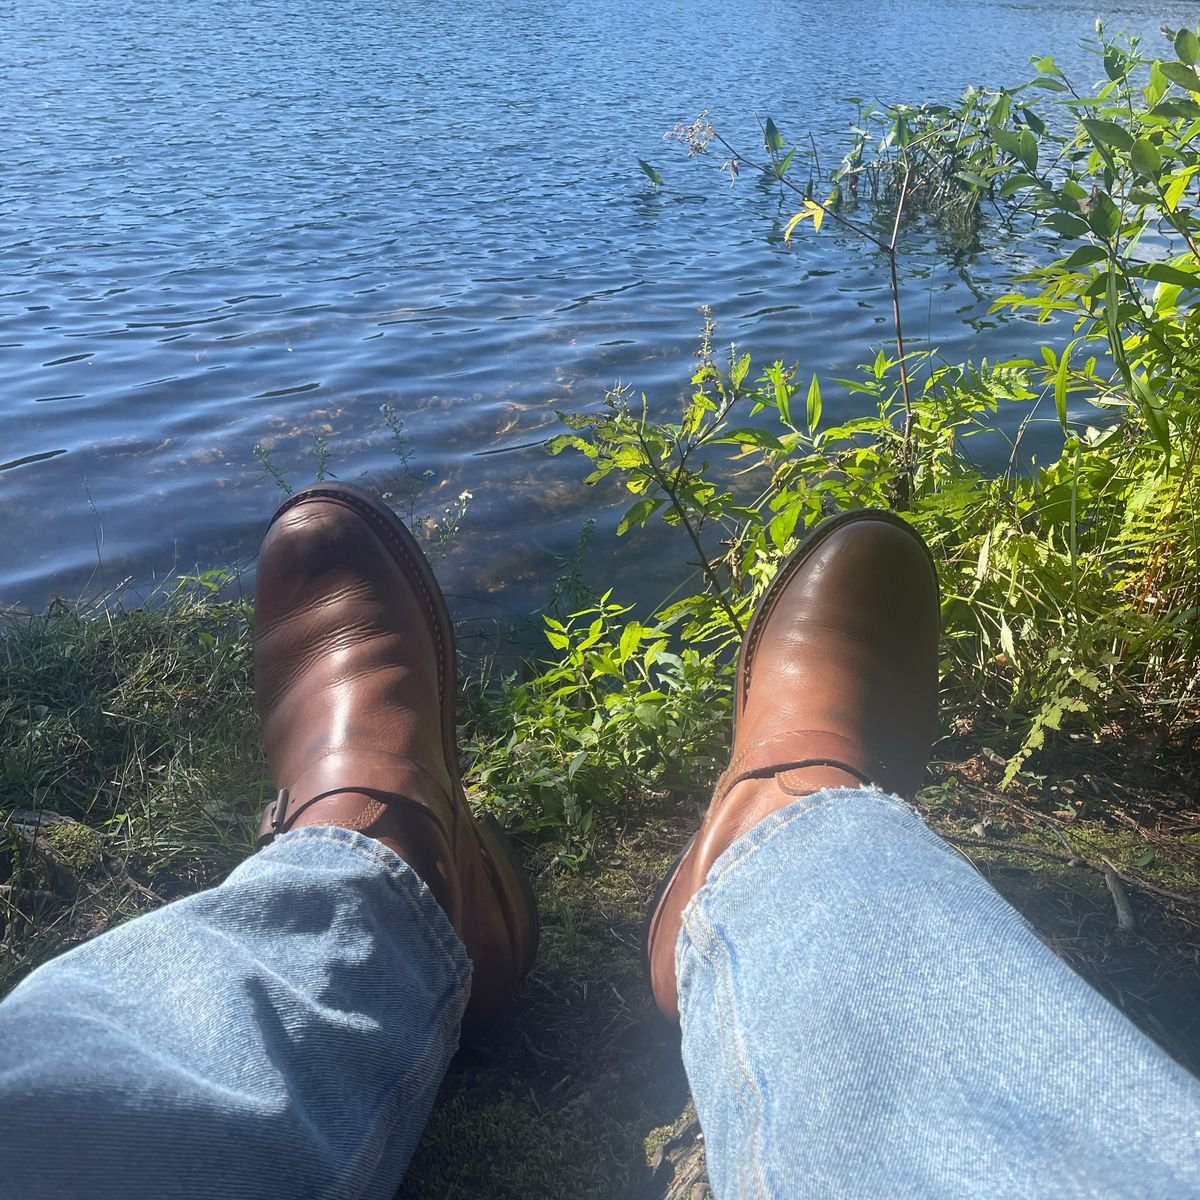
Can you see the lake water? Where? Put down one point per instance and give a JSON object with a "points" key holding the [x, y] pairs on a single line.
{"points": [[226, 224]]}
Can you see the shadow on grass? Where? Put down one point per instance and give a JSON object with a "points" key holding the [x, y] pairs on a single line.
{"points": [[581, 1092]]}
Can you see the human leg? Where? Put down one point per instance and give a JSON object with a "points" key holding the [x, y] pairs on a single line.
{"points": [[862, 1014], [281, 1035], [355, 677], [267, 1000]]}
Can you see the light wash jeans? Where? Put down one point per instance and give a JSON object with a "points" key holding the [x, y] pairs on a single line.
{"points": [[863, 1016]]}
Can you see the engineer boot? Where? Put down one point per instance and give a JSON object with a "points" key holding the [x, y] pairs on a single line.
{"points": [[836, 686], [355, 677]]}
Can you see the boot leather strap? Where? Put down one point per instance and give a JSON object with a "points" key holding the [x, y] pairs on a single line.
{"points": [[378, 777], [795, 750]]}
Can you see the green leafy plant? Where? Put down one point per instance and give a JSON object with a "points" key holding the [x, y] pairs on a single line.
{"points": [[587, 733], [1070, 587]]}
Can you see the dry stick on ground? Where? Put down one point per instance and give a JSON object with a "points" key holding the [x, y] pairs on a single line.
{"points": [[1069, 860], [1116, 889]]}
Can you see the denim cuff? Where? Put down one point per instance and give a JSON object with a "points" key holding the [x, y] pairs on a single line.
{"points": [[327, 845], [756, 835], [744, 848]]}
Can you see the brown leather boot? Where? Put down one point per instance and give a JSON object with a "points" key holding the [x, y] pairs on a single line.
{"points": [[355, 675], [836, 686]]}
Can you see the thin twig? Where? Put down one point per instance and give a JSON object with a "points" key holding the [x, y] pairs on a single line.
{"points": [[765, 169], [1125, 921], [663, 481], [891, 253], [889, 249]]}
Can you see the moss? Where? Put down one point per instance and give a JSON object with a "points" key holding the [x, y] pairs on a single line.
{"points": [[655, 1140], [79, 846]]}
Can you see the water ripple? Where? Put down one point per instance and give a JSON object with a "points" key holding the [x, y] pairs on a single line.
{"points": [[229, 225]]}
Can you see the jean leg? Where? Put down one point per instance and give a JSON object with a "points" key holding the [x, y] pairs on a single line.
{"points": [[864, 1016], [282, 1035]]}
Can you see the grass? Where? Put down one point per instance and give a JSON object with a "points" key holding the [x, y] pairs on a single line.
{"points": [[132, 774], [135, 728]]}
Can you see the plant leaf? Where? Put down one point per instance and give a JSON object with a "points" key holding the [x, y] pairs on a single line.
{"points": [[1060, 385], [737, 370], [783, 392], [1008, 140], [1066, 224], [1104, 217], [1084, 256], [1028, 150], [811, 209], [639, 514], [1033, 120], [1146, 159], [654, 177], [783, 526], [631, 637], [1177, 186], [1182, 75], [1108, 133], [1157, 86], [772, 138], [1112, 321], [814, 404], [1014, 184], [1156, 419], [1187, 46], [1163, 273], [1176, 106]]}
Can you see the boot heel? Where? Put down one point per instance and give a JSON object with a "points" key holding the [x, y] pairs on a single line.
{"points": [[513, 885]]}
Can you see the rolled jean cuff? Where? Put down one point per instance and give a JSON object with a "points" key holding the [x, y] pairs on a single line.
{"points": [[318, 845], [863, 1014], [740, 853], [745, 848]]}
